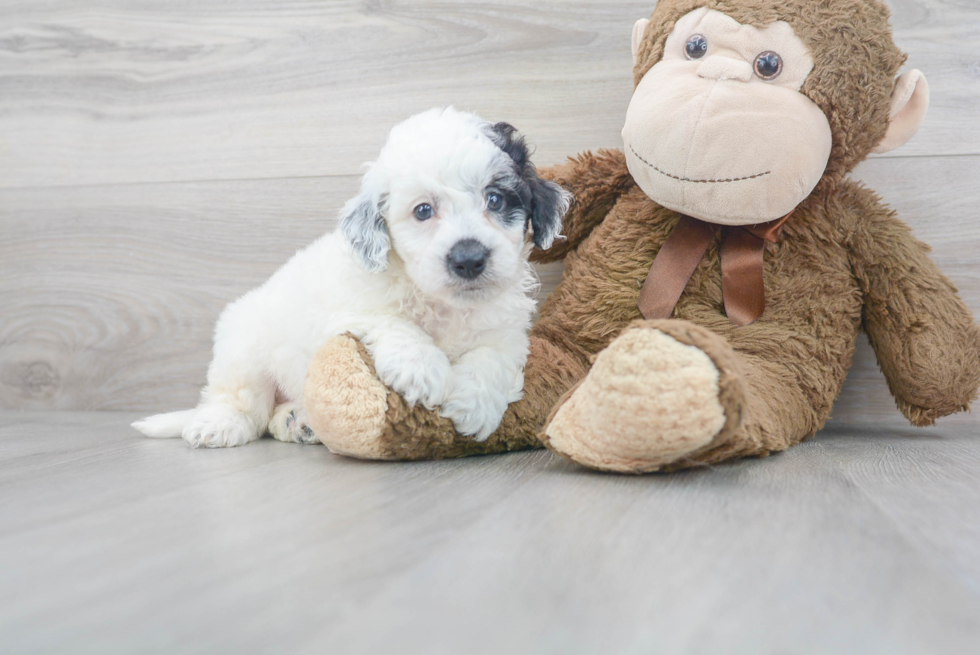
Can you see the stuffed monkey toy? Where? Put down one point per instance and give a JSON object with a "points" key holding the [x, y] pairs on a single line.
{"points": [[718, 269]]}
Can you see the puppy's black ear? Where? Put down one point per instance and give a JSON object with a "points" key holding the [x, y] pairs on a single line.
{"points": [[363, 227], [511, 142], [551, 202], [548, 202]]}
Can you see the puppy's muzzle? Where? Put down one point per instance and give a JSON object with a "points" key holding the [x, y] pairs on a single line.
{"points": [[468, 259]]}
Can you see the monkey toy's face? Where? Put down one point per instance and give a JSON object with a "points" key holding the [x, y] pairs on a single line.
{"points": [[719, 130]]}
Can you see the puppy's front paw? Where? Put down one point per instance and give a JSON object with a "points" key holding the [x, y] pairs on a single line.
{"points": [[473, 409], [419, 373], [219, 426]]}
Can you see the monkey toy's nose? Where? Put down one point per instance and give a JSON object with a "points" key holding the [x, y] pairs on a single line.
{"points": [[468, 259], [720, 67]]}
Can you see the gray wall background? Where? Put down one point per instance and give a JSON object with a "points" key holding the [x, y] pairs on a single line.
{"points": [[159, 158]]}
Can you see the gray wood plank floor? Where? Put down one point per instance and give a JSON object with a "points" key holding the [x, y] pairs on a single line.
{"points": [[160, 157], [173, 90], [860, 541]]}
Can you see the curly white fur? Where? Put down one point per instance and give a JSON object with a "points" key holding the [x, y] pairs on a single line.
{"points": [[436, 338]]}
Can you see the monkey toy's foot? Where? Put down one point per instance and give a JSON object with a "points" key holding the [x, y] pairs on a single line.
{"points": [[347, 406], [661, 396], [353, 413]]}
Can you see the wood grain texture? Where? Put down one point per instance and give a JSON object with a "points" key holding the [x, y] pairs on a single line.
{"points": [[111, 293], [115, 262], [856, 542], [159, 158], [200, 90]]}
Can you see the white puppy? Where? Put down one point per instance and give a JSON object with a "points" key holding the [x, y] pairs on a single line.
{"points": [[429, 269]]}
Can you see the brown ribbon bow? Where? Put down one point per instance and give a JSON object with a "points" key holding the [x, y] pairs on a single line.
{"points": [[742, 250]]}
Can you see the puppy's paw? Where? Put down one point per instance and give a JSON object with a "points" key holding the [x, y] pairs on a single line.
{"points": [[219, 426], [474, 410], [419, 373], [289, 424]]}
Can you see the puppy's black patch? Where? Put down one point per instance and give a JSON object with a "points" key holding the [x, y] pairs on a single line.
{"points": [[544, 202], [516, 195], [512, 143], [550, 204]]}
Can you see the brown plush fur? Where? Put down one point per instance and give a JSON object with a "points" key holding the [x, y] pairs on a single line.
{"points": [[844, 263]]}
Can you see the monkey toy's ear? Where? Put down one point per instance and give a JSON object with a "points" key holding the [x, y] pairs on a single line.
{"points": [[639, 29], [910, 100]]}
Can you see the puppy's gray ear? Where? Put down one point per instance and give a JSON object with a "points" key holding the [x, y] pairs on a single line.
{"points": [[364, 229], [549, 202]]}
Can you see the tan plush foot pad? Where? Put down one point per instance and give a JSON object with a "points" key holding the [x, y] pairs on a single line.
{"points": [[659, 396], [354, 414], [346, 404]]}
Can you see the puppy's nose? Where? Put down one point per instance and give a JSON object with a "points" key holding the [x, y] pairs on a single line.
{"points": [[468, 259]]}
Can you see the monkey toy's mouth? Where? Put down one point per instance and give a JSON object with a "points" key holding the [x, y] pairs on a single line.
{"points": [[710, 191], [696, 181]]}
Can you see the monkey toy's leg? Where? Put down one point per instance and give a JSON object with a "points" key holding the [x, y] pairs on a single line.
{"points": [[669, 394], [354, 414]]}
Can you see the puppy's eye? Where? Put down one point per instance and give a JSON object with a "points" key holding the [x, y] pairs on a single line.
{"points": [[423, 212], [696, 47], [768, 65], [494, 201]]}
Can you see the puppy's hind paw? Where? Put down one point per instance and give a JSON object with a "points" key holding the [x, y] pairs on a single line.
{"points": [[288, 424], [219, 426]]}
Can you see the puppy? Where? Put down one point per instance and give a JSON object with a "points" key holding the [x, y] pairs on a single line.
{"points": [[428, 268]]}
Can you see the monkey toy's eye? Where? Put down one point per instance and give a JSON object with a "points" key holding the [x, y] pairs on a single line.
{"points": [[494, 201], [423, 212], [696, 47], [768, 65]]}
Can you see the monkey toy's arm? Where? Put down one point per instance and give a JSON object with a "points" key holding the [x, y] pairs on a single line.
{"points": [[597, 181], [925, 337]]}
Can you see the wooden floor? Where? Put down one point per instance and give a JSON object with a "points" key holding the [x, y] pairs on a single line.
{"points": [[861, 541], [159, 158]]}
